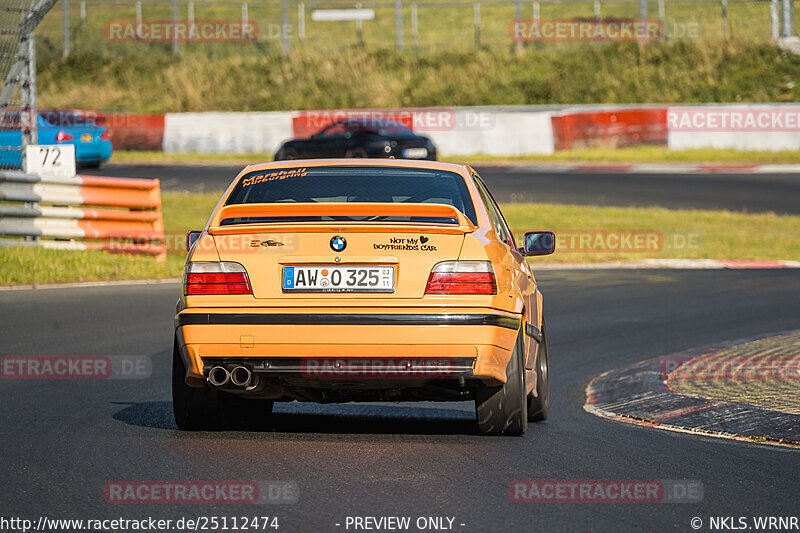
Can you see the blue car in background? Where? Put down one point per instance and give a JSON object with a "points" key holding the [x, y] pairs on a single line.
{"points": [[92, 142]]}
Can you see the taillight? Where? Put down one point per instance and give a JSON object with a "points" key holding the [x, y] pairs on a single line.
{"points": [[462, 277], [106, 135], [216, 278], [62, 136]]}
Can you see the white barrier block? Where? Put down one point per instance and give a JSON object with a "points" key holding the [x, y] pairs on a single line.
{"points": [[476, 131], [221, 132], [764, 137]]}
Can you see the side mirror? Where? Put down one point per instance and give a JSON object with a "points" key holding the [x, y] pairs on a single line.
{"points": [[191, 238], [538, 243]]}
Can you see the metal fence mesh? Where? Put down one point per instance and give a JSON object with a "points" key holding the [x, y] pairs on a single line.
{"points": [[82, 26], [12, 13]]}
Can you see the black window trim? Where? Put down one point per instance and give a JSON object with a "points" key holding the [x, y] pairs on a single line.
{"points": [[481, 186], [463, 189]]}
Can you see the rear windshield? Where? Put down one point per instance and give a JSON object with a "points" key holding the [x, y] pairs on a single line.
{"points": [[352, 184]]}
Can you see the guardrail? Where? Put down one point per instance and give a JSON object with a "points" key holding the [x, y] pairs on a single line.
{"points": [[70, 215]]}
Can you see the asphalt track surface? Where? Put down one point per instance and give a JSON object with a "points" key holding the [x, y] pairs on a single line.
{"points": [[61, 441], [737, 192]]}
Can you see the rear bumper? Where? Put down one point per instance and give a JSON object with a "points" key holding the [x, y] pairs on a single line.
{"points": [[93, 152], [484, 336]]}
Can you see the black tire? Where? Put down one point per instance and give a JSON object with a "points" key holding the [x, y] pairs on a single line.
{"points": [[245, 413], [539, 406], [93, 165], [194, 408], [503, 410], [356, 152], [207, 409]]}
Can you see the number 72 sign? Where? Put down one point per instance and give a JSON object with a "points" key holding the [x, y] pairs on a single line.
{"points": [[50, 160]]}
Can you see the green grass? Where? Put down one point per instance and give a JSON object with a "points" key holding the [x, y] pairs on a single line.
{"points": [[685, 72], [693, 234], [153, 157], [651, 154], [709, 234], [635, 154]]}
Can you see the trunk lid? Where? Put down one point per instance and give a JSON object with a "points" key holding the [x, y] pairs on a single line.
{"points": [[411, 248]]}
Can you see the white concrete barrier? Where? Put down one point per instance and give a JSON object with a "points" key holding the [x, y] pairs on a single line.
{"points": [[498, 130], [465, 131], [750, 127], [222, 132], [491, 132]]}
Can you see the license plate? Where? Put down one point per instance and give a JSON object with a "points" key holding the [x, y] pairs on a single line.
{"points": [[338, 278], [415, 153], [86, 138]]}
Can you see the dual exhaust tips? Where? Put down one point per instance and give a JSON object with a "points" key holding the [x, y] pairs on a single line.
{"points": [[238, 377]]}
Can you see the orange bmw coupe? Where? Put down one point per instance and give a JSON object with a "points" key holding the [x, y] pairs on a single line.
{"points": [[367, 280]]}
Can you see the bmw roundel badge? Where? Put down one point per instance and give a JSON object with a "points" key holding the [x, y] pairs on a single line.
{"points": [[338, 243]]}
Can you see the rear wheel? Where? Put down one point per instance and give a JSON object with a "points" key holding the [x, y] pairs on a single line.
{"points": [[539, 405], [244, 413], [194, 408], [208, 409], [503, 410]]}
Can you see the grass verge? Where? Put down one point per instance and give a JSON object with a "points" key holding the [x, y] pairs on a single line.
{"points": [[637, 154], [612, 73], [678, 234]]}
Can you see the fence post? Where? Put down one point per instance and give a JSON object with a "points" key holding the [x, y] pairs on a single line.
{"points": [[176, 46], [725, 30], [83, 12], [301, 20], [65, 24], [414, 26], [139, 19], [359, 28], [398, 24], [518, 16], [643, 15], [285, 27], [476, 14], [773, 19], [597, 9], [536, 13], [787, 18], [244, 15], [662, 20]]}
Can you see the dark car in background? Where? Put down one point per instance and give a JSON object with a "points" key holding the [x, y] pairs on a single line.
{"points": [[360, 137]]}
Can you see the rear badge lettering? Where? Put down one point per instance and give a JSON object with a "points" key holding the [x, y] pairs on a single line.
{"points": [[255, 243]]}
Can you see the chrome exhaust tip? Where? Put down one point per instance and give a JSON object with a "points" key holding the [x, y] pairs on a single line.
{"points": [[218, 376], [241, 376]]}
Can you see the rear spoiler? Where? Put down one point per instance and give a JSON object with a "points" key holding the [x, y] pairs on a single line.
{"points": [[355, 209]]}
